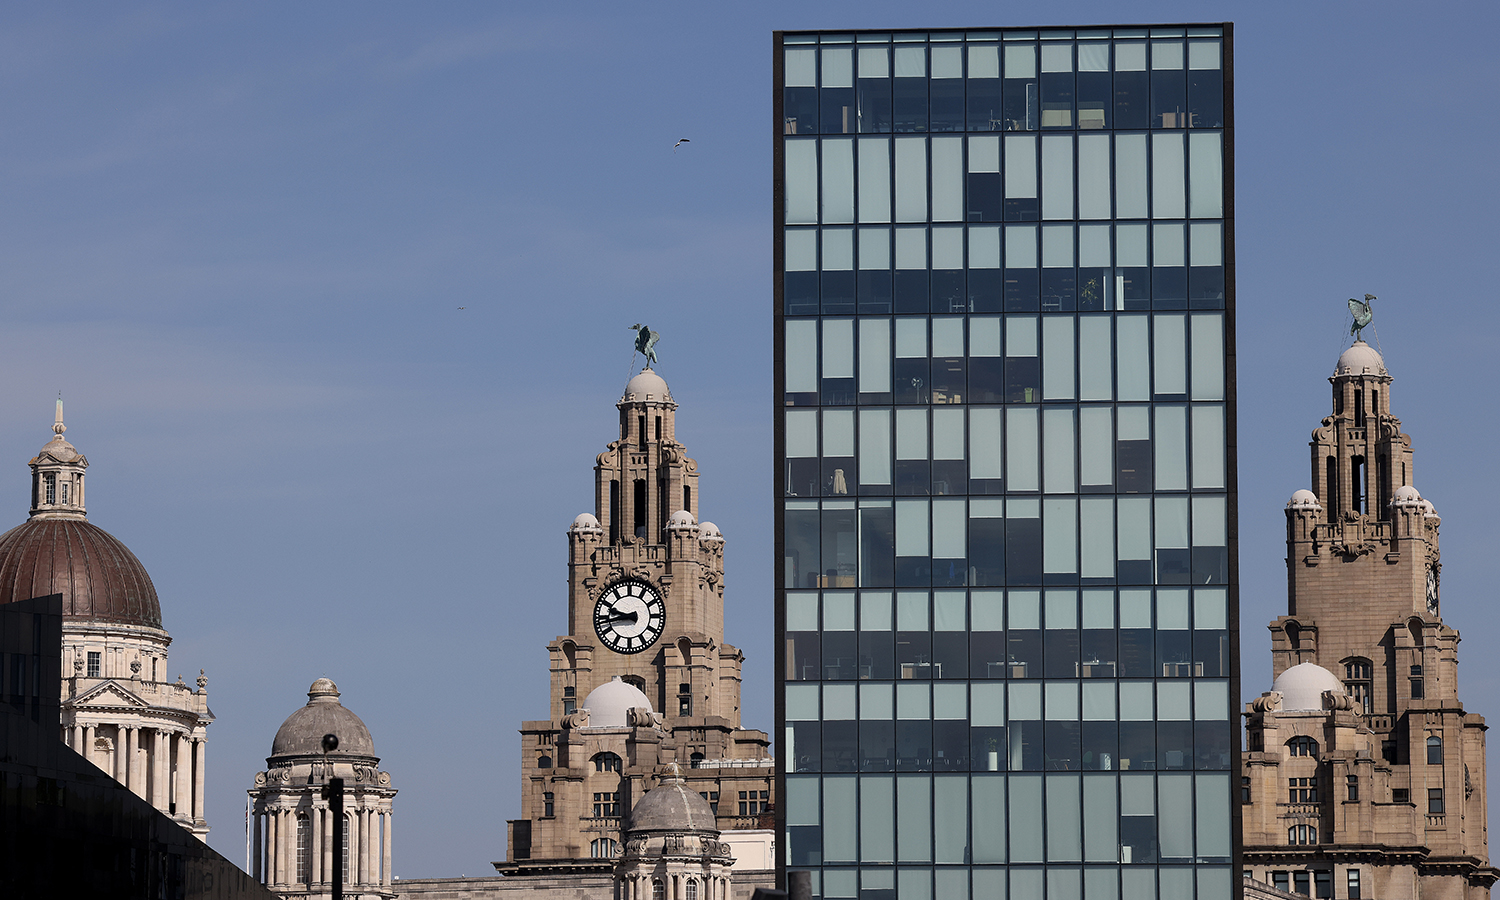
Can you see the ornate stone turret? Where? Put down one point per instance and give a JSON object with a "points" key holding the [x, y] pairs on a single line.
{"points": [[672, 847], [1362, 741], [57, 476], [292, 832]]}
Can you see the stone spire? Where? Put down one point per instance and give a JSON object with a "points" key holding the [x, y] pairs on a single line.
{"points": [[57, 476]]}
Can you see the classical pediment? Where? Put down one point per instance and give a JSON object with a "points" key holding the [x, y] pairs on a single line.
{"points": [[109, 694]]}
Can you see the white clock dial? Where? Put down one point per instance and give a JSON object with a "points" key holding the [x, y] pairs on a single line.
{"points": [[629, 617]]}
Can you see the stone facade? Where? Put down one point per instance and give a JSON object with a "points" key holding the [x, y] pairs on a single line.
{"points": [[1364, 776], [119, 710], [646, 608]]}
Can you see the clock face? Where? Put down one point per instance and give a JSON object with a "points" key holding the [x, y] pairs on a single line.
{"points": [[629, 617]]}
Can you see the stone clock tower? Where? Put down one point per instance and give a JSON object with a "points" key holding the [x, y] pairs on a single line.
{"points": [[643, 677], [1364, 776]]}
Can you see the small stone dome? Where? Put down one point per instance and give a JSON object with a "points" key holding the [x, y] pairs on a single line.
{"points": [[682, 519], [647, 387], [708, 530], [1405, 493], [1360, 359], [586, 522], [302, 732], [1302, 686], [1304, 500], [609, 703], [1428, 510], [672, 806]]}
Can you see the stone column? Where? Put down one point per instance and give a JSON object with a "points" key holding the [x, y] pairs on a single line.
{"points": [[371, 843], [315, 845], [385, 852], [153, 763], [326, 825], [270, 816], [200, 749], [135, 765], [184, 796], [88, 742], [256, 847]]}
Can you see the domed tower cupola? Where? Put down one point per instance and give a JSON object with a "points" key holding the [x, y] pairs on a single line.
{"points": [[1360, 455], [57, 476], [646, 475]]}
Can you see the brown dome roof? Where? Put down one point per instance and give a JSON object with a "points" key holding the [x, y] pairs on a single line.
{"points": [[97, 575]]}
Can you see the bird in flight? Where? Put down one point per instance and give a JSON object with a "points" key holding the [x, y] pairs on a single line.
{"points": [[680, 143], [463, 307]]}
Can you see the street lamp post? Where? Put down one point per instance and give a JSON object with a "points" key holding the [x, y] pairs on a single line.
{"points": [[333, 792]]}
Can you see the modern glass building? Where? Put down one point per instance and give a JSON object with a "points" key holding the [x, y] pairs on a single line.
{"points": [[1006, 610]]}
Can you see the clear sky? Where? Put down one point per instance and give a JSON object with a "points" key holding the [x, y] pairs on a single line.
{"points": [[237, 237]]}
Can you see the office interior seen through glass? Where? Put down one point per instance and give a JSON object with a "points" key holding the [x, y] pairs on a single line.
{"points": [[1005, 405]]}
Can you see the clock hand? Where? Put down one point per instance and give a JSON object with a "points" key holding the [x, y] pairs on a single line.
{"points": [[633, 617]]}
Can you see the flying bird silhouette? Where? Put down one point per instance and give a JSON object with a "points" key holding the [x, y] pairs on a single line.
{"points": [[680, 143]]}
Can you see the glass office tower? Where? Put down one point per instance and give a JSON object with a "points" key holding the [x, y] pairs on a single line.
{"points": [[1006, 609]]}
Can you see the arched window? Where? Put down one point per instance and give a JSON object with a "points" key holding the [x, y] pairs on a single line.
{"points": [[1357, 679], [1434, 750], [635, 681], [1302, 746], [304, 849], [695, 760], [606, 762], [603, 848], [544, 761], [692, 890], [1302, 834], [658, 890]]}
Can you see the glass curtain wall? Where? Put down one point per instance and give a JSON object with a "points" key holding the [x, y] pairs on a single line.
{"points": [[1006, 599]]}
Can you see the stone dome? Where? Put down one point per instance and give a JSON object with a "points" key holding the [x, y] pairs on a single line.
{"points": [[1360, 359], [99, 578], [1302, 686], [586, 521], [681, 519], [609, 703], [1428, 510], [1304, 500], [1406, 494], [672, 806], [708, 530], [302, 732], [647, 387]]}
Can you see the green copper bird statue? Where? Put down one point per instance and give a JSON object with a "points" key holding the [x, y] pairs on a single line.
{"points": [[1362, 315]]}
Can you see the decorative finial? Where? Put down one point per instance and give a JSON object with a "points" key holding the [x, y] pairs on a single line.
{"points": [[57, 426], [1362, 315], [645, 343], [202, 680]]}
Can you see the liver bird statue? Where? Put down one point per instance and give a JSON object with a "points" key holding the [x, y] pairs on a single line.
{"points": [[1362, 315], [645, 342]]}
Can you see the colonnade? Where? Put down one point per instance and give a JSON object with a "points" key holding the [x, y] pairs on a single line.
{"points": [[674, 886], [282, 854], [161, 766]]}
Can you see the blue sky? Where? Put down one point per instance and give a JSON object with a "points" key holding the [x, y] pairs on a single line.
{"points": [[237, 237]]}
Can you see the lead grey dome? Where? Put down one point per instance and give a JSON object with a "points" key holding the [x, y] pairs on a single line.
{"points": [[672, 806], [302, 732]]}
